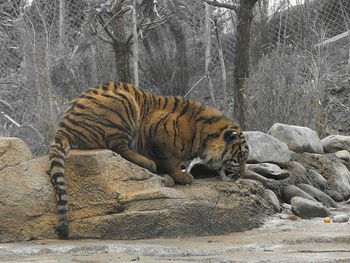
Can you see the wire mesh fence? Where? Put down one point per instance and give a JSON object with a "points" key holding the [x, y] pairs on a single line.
{"points": [[52, 50]]}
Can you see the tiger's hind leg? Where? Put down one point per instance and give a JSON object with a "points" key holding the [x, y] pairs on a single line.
{"points": [[137, 158]]}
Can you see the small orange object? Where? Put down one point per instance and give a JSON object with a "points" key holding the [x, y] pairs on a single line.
{"points": [[327, 219]]}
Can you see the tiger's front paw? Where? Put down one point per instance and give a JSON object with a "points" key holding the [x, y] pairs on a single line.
{"points": [[183, 178], [152, 167]]}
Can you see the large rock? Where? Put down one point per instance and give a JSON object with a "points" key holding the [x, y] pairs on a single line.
{"points": [[272, 199], [13, 151], [344, 155], [297, 175], [318, 195], [291, 191], [299, 139], [335, 172], [334, 143], [266, 149], [112, 198], [269, 170], [306, 208], [317, 180]]}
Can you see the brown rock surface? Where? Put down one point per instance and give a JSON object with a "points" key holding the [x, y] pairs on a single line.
{"points": [[13, 151], [112, 198]]}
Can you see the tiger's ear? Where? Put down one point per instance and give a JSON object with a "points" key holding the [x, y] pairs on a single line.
{"points": [[231, 136]]}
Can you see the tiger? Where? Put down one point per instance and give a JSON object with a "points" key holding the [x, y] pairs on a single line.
{"points": [[155, 132]]}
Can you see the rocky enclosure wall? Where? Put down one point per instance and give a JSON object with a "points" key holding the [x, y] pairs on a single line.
{"points": [[112, 198]]}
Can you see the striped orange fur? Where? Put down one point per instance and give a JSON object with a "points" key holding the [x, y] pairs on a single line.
{"points": [[154, 132]]}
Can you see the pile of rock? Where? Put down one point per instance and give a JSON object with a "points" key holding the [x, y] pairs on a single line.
{"points": [[109, 197], [299, 169]]}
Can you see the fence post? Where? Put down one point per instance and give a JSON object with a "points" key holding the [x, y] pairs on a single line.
{"points": [[135, 44]]}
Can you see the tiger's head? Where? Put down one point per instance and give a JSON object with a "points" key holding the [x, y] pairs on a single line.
{"points": [[227, 154]]}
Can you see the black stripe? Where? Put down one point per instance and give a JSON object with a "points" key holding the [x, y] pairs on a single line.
{"points": [[90, 129], [197, 112], [77, 135], [175, 131], [130, 107], [55, 176], [166, 102], [102, 106], [62, 211], [210, 120], [55, 155], [61, 202], [176, 103], [125, 85], [109, 96], [56, 163], [89, 117], [137, 96]]}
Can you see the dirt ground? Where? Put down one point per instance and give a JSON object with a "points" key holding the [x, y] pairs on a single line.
{"points": [[277, 240]]}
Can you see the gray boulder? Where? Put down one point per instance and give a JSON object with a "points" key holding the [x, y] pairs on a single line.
{"points": [[298, 139], [269, 170], [343, 218], [344, 155], [306, 208], [333, 170], [318, 195], [317, 180], [272, 199], [334, 143], [266, 149], [291, 191], [335, 195]]}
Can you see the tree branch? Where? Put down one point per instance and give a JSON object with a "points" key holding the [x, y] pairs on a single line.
{"points": [[218, 4], [109, 33]]}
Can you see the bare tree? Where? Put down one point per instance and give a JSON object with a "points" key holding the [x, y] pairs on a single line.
{"points": [[241, 71], [113, 20]]}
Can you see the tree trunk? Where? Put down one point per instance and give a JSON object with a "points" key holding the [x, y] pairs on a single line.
{"points": [[180, 79], [61, 23], [135, 45], [122, 59], [241, 71], [122, 51]]}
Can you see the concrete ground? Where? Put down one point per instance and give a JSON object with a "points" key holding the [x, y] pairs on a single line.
{"points": [[277, 241]]}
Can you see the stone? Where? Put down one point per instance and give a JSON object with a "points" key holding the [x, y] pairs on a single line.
{"points": [[333, 170], [317, 180], [320, 196], [335, 195], [289, 217], [291, 191], [343, 154], [111, 198], [306, 208], [13, 151], [272, 199], [264, 148], [334, 143], [297, 175], [340, 218], [269, 170], [32, 137], [298, 139]]}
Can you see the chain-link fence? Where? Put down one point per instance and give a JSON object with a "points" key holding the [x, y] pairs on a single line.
{"points": [[305, 22], [53, 50]]}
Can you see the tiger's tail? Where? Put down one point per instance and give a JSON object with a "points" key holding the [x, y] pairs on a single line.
{"points": [[59, 148]]}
